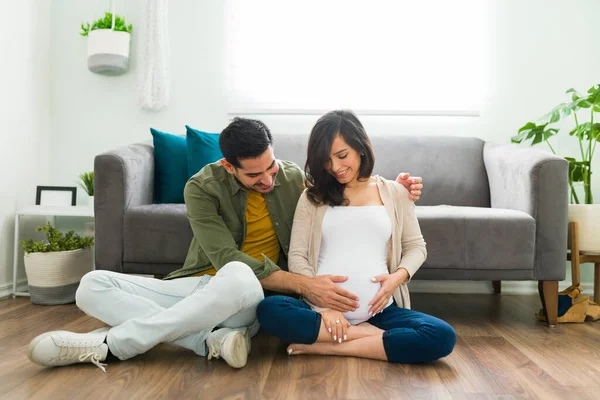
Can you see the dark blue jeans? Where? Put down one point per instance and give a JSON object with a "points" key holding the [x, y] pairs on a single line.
{"points": [[409, 337]]}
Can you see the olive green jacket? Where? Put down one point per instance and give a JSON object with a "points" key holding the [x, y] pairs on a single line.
{"points": [[216, 209]]}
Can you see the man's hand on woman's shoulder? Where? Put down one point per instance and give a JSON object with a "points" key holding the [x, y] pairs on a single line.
{"points": [[414, 184]]}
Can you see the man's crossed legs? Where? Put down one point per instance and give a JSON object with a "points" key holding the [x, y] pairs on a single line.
{"points": [[144, 312]]}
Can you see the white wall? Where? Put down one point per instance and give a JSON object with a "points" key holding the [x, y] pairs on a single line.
{"points": [[24, 117], [539, 48], [94, 113]]}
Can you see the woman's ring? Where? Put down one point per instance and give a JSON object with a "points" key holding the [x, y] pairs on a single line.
{"points": [[337, 321]]}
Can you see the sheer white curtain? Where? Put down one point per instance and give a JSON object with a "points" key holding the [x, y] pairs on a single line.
{"points": [[154, 79], [425, 57]]}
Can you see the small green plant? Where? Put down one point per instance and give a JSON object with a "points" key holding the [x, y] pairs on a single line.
{"points": [[106, 23], [86, 181], [587, 134], [56, 241]]}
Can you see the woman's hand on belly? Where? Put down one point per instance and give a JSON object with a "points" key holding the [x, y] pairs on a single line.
{"points": [[389, 283]]}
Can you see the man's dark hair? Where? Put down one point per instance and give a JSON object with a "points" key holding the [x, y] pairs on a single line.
{"points": [[323, 188], [244, 138]]}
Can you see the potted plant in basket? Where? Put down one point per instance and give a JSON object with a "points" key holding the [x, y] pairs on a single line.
{"points": [[54, 267], [587, 132], [86, 181], [108, 44]]}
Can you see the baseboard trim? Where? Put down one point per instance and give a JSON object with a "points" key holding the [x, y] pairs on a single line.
{"points": [[483, 287], [6, 290], [418, 286]]}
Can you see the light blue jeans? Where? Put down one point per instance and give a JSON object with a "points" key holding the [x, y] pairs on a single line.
{"points": [[146, 311]]}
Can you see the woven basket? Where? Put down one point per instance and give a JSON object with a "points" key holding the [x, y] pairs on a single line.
{"points": [[54, 277]]}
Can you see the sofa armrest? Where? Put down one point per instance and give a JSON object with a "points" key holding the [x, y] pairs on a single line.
{"points": [[535, 182], [123, 178]]}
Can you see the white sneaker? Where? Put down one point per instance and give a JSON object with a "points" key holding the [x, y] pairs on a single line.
{"points": [[231, 344], [247, 334], [60, 348]]}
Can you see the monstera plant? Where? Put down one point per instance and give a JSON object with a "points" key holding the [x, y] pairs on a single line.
{"points": [[582, 111]]}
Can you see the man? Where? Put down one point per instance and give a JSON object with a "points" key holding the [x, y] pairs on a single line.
{"points": [[240, 210]]}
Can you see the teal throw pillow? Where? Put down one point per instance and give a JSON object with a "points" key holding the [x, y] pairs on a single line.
{"points": [[202, 148], [170, 167]]}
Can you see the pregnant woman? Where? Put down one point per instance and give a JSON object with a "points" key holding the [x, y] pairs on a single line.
{"points": [[349, 223]]}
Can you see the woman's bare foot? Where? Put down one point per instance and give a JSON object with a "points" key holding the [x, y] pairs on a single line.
{"points": [[317, 348], [367, 347]]}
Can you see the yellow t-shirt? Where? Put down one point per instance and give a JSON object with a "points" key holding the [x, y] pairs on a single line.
{"points": [[260, 234]]}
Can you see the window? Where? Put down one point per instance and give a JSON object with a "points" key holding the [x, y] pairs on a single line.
{"points": [[399, 57]]}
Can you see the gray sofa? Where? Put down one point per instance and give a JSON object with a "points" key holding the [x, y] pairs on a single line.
{"points": [[487, 212]]}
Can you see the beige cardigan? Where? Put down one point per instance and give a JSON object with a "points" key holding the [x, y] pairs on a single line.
{"points": [[407, 247]]}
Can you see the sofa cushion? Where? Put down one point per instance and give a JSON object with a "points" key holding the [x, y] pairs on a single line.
{"points": [[202, 148], [170, 167], [452, 168], [477, 238], [156, 233]]}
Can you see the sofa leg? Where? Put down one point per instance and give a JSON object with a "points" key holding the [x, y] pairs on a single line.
{"points": [[497, 286], [549, 296]]}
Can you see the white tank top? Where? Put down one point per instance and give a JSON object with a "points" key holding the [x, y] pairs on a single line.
{"points": [[355, 244]]}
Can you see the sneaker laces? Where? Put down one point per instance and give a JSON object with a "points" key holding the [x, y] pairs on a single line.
{"points": [[214, 350], [94, 359], [83, 354]]}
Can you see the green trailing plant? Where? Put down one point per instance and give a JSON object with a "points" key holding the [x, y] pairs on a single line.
{"points": [[106, 23], [56, 241], [86, 181], [587, 134]]}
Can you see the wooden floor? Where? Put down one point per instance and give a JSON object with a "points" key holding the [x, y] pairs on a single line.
{"points": [[502, 352]]}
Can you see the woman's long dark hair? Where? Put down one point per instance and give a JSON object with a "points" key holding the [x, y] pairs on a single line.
{"points": [[323, 188]]}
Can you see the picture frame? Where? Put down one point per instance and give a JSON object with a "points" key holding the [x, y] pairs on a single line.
{"points": [[56, 196]]}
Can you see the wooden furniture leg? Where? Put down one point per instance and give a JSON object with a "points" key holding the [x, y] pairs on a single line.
{"points": [[497, 286], [575, 259], [549, 296], [597, 282]]}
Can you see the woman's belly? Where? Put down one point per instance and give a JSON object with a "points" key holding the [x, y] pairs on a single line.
{"points": [[359, 283]]}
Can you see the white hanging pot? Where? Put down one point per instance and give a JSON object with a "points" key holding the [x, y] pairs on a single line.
{"points": [[108, 51], [587, 217]]}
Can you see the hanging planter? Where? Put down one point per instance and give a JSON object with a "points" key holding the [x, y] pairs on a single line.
{"points": [[108, 44], [108, 52]]}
